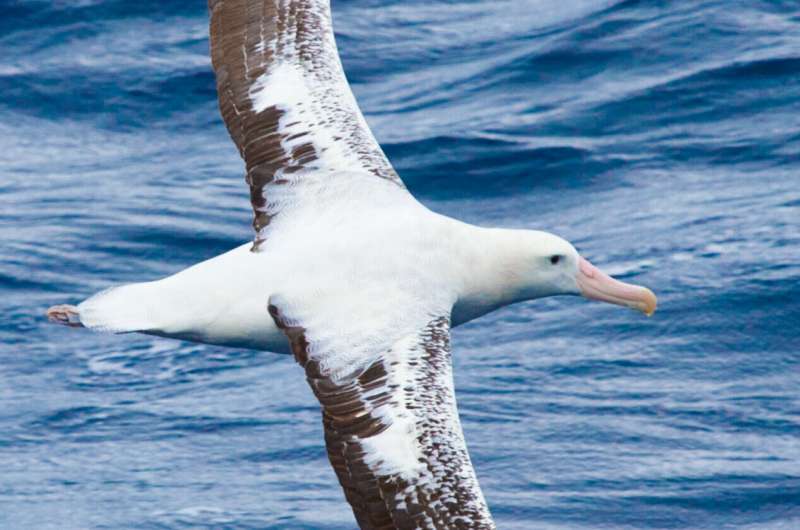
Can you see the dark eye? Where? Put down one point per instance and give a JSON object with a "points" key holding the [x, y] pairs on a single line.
{"points": [[555, 259]]}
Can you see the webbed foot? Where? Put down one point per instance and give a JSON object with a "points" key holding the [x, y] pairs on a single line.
{"points": [[66, 315]]}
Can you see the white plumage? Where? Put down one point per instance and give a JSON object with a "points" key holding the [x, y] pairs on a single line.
{"points": [[348, 272]]}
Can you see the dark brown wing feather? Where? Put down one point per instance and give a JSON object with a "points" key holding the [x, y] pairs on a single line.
{"points": [[404, 399], [284, 97]]}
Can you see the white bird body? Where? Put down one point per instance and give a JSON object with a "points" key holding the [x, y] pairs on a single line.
{"points": [[348, 272], [328, 247]]}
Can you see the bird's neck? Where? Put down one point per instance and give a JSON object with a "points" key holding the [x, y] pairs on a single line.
{"points": [[493, 262]]}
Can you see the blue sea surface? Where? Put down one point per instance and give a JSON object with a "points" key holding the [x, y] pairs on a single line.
{"points": [[661, 137]]}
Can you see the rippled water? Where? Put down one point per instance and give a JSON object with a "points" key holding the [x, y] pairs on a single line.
{"points": [[662, 137]]}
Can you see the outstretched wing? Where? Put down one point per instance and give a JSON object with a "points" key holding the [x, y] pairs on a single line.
{"points": [[285, 99], [392, 431]]}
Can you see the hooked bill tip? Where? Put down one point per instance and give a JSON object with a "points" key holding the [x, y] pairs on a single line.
{"points": [[649, 302]]}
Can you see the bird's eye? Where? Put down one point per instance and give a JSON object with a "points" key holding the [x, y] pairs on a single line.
{"points": [[555, 259]]}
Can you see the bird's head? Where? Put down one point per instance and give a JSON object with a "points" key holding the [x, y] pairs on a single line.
{"points": [[554, 267]]}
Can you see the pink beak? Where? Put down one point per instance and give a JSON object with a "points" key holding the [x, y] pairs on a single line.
{"points": [[597, 285]]}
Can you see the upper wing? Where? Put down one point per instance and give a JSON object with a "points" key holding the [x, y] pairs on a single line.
{"points": [[392, 431], [284, 97]]}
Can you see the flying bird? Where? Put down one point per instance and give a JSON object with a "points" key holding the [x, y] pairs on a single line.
{"points": [[348, 272]]}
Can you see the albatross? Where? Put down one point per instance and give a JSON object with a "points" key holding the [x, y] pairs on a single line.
{"points": [[347, 272]]}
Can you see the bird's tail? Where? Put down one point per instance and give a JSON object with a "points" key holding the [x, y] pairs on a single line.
{"points": [[120, 309]]}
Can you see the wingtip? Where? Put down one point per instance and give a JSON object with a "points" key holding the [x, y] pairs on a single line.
{"points": [[66, 315]]}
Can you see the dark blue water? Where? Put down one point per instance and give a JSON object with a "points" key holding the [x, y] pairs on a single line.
{"points": [[662, 137]]}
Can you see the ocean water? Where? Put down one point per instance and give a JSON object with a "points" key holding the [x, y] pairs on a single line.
{"points": [[662, 137]]}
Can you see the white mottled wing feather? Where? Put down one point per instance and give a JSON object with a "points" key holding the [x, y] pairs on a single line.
{"points": [[285, 100], [391, 427]]}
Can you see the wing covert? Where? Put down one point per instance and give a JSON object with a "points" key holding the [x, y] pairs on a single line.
{"points": [[284, 97], [393, 435]]}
